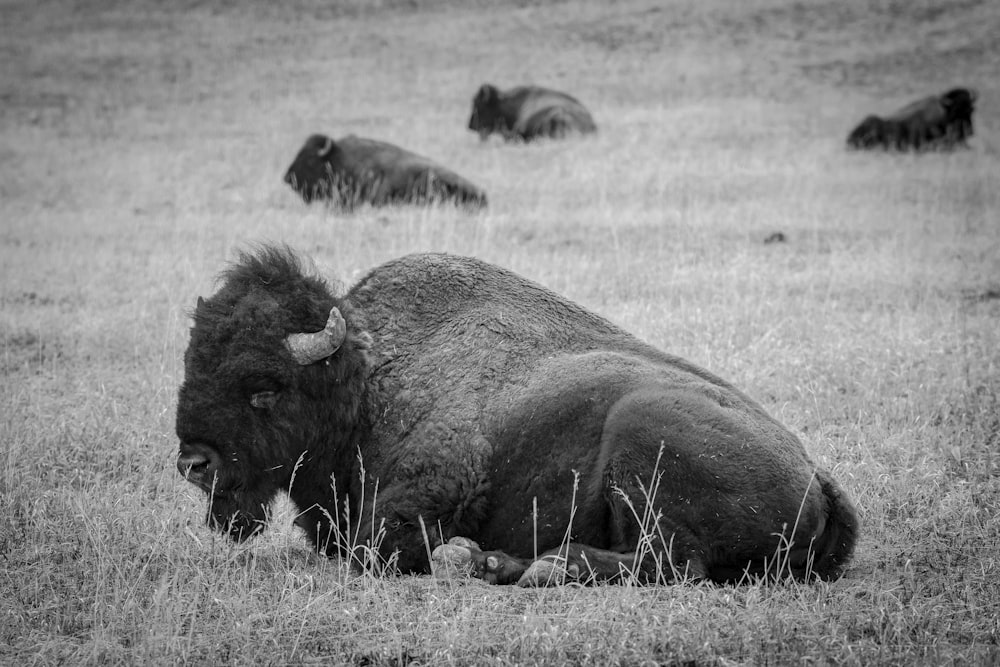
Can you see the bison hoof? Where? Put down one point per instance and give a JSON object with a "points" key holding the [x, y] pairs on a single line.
{"points": [[549, 571], [454, 558], [463, 557], [451, 560]]}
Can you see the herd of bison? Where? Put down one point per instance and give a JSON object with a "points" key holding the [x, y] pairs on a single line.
{"points": [[353, 171], [447, 415]]}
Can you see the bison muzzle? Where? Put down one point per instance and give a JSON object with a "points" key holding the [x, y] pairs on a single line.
{"points": [[486, 407]]}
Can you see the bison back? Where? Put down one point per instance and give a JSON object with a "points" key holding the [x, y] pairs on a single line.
{"points": [[925, 110], [417, 295], [544, 112], [390, 174], [559, 122], [429, 304]]}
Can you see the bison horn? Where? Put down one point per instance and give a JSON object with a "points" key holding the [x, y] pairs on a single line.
{"points": [[308, 348], [325, 148]]}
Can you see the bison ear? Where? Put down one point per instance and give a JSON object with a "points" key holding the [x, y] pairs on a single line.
{"points": [[200, 305], [325, 149]]}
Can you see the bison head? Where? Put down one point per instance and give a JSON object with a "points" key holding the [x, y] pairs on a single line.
{"points": [[310, 172], [271, 393], [958, 104], [486, 115]]}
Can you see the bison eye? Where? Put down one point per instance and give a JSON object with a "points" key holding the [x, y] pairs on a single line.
{"points": [[263, 399]]}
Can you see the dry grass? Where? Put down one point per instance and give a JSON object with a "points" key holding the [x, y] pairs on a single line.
{"points": [[142, 143]]}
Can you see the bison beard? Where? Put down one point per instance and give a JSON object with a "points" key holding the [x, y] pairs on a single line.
{"points": [[470, 395]]}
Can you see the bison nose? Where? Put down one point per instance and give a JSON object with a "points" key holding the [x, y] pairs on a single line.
{"points": [[198, 464]]}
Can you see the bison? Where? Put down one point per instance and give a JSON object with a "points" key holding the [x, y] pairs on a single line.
{"points": [[353, 171], [445, 397], [527, 113], [938, 122]]}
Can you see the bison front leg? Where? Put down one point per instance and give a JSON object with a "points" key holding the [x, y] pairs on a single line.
{"points": [[570, 563], [462, 556], [404, 521]]}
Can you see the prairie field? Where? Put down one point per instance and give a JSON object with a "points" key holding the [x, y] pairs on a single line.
{"points": [[142, 146]]}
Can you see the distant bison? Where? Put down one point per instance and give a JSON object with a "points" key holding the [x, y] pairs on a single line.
{"points": [[467, 393], [527, 113], [353, 171], [939, 122]]}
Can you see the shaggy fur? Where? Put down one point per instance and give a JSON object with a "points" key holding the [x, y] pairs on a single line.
{"points": [[469, 391], [353, 171], [527, 113], [939, 122]]}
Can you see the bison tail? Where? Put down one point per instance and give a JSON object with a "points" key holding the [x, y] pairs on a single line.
{"points": [[834, 547], [868, 134]]}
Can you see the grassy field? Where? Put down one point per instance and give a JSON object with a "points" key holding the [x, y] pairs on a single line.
{"points": [[142, 144]]}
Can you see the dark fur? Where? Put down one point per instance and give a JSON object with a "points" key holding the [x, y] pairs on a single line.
{"points": [[939, 122], [469, 391], [356, 171], [527, 113]]}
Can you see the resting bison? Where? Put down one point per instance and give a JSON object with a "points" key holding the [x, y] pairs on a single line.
{"points": [[939, 122], [527, 113], [353, 171], [466, 392]]}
